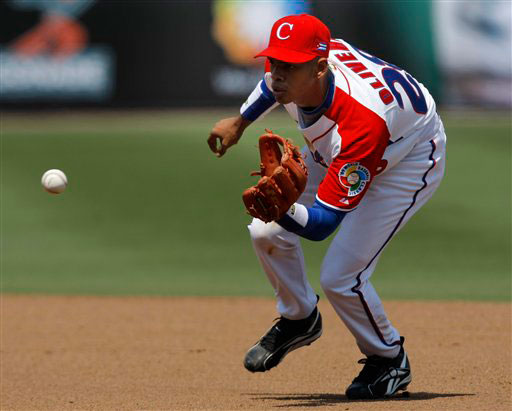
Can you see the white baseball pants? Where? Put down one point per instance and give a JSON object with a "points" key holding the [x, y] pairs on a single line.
{"points": [[392, 199]]}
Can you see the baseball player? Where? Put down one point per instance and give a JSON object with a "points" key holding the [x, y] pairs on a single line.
{"points": [[375, 151]]}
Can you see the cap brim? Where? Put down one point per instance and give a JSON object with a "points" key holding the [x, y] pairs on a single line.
{"points": [[286, 55]]}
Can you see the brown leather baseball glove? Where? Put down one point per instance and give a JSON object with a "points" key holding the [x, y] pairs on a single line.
{"points": [[283, 178]]}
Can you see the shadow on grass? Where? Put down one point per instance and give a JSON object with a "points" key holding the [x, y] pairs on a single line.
{"points": [[324, 399]]}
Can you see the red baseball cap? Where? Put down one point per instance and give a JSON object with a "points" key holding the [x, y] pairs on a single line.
{"points": [[297, 39]]}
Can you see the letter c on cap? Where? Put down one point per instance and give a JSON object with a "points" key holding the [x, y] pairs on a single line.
{"points": [[278, 32]]}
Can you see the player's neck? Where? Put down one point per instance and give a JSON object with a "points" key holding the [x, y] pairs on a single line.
{"points": [[316, 95]]}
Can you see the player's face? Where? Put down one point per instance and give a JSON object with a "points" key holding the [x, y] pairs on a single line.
{"points": [[293, 82]]}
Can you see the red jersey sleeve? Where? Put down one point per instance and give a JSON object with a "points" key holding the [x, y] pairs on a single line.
{"points": [[364, 138]]}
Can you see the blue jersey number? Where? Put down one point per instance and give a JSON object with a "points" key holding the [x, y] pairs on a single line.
{"points": [[411, 88], [392, 75]]}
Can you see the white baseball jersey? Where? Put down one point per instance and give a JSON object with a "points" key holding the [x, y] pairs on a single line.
{"points": [[374, 106]]}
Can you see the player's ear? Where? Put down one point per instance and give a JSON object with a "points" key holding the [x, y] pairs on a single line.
{"points": [[321, 66]]}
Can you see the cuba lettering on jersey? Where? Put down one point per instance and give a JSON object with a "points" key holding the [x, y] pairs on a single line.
{"points": [[378, 112]]}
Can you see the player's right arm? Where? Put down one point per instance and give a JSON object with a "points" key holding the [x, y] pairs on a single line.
{"points": [[228, 131], [260, 101]]}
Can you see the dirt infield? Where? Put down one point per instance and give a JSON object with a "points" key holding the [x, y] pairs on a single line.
{"points": [[186, 353]]}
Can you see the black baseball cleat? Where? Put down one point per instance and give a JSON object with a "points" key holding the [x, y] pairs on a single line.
{"points": [[283, 337], [381, 377]]}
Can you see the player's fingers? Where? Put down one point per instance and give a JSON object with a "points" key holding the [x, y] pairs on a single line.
{"points": [[225, 143], [212, 143], [222, 149]]}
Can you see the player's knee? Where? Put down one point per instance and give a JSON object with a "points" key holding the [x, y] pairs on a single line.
{"points": [[339, 282], [340, 269], [270, 235], [331, 284], [261, 233]]}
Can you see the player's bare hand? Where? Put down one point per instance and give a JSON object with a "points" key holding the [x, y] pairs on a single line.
{"points": [[226, 133]]}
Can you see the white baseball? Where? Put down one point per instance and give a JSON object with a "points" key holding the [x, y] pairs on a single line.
{"points": [[54, 181]]}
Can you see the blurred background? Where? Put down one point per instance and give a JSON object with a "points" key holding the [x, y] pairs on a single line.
{"points": [[121, 95], [200, 53]]}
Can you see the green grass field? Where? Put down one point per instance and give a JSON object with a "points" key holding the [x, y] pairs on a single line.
{"points": [[150, 211]]}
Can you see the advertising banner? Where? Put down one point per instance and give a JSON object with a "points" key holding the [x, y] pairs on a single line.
{"points": [[474, 45], [53, 59], [179, 53], [241, 30]]}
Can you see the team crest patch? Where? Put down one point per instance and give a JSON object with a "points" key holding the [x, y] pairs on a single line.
{"points": [[354, 176]]}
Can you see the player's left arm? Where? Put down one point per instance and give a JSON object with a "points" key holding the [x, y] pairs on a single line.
{"points": [[347, 180], [314, 223]]}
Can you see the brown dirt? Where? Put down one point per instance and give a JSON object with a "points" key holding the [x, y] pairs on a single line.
{"points": [[186, 353]]}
